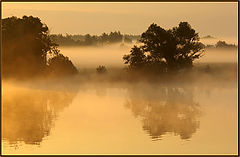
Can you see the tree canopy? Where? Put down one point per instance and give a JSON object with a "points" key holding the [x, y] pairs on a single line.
{"points": [[60, 65], [223, 44], [165, 50], [26, 45]]}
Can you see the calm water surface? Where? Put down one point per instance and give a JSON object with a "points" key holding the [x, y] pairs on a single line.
{"points": [[120, 118]]}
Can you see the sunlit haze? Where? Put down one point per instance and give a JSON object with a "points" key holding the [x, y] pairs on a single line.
{"points": [[216, 19], [119, 78]]}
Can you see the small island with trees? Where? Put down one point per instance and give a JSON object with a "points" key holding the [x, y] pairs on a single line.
{"points": [[166, 50]]}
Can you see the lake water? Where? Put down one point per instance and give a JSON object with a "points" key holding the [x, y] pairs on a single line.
{"points": [[120, 118]]}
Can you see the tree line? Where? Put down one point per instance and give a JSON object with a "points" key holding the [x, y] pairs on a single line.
{"points": [[221, 45], [93, 40]]}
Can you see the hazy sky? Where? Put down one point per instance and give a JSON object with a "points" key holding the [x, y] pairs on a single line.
{"points": [[216, 19]]}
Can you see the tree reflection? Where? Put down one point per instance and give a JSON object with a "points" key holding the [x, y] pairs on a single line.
{"points": [[28, 114], [165, 110]]}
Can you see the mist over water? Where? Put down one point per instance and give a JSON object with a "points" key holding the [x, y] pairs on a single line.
{"points": [[175, 116], [68, 92], [91, 57], [111, 55], [214, 40]]}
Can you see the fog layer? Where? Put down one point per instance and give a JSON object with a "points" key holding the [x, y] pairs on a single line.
{"points": [[111, 55]]}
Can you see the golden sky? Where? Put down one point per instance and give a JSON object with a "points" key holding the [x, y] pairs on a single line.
{"points": [[216, 19]]}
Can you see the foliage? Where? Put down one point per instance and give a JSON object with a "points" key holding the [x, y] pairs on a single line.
{"points": [[91, 40], [137, 59], [165, 50], [59, 65], [26, 44], [101, 69], [66, 40], [223, 44]]}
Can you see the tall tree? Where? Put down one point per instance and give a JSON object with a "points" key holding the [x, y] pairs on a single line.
{"points": [[26, 43], [166, 50]]}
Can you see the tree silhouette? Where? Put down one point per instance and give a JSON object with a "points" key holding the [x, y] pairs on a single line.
{"points": [[101, 69], [26, 43], [60, 65], [137, 59], [223, 44], [166, 50], [115, 36], [91, 40]]}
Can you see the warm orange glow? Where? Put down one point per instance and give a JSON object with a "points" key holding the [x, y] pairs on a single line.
{"points": [[161, 80]]}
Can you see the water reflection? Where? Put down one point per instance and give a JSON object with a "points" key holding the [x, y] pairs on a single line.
{"points": [[28, 114], [165, 110]]}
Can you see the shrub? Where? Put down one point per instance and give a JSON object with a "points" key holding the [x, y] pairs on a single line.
{"points": [[60, 65], [101, 69]]}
